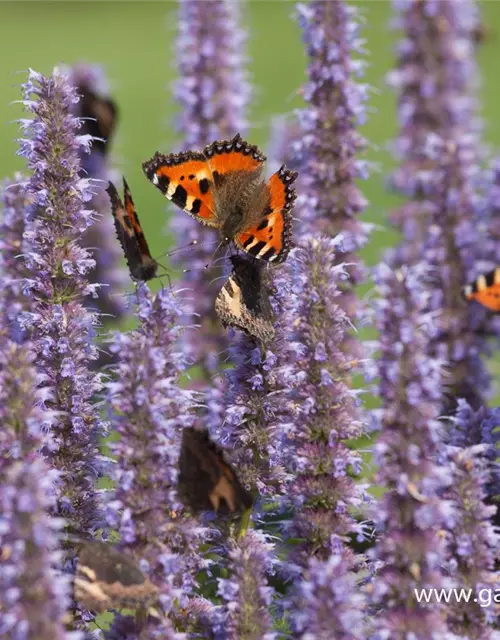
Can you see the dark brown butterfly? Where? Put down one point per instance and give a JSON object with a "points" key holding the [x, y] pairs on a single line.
{"points": [[206, 481], [128, 229], [243, 302], [99, 116], [108, 579]]}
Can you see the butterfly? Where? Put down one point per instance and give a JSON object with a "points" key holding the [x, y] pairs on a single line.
{"points": [[128, 229], [243, 302], [485, 290], [222, 187], [206, 481], [106, 578], [99, 117]]}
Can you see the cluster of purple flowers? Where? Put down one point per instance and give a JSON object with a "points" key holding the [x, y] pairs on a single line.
{"points": [[319, 555]]}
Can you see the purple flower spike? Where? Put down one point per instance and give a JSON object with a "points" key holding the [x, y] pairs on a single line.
{"points": [[473, 544], [246, 595], [435, 78], [12, 267], [100, 238], [59, 326], [328, 604], [150, 411], [213, 95], [33, 599], [325, 408], [329, 199], [412, 514]]}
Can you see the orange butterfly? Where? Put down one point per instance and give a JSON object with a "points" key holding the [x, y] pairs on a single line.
{"points": [[222, 187], [485, 290]]}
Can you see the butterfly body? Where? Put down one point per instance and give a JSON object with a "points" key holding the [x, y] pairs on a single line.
{"points": [[222, 187], [206, 481], [129, 232], [243, 301]]}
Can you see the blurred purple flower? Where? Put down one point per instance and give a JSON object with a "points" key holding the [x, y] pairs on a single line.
{"points": [[412, 514], [328, 603], [12, 267], [213, 94], [325, 408], [33, 598], [100, 238], [150, 411], [254, 410], [473, 544], [435, 78], [60, 328], [246, 595]]}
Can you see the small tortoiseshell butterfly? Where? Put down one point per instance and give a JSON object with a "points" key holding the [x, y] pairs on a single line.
{"points": [[485, 290], [128, 229], [243, 302], [222, 187], [108, 579], [206, 481], [99, 117]]}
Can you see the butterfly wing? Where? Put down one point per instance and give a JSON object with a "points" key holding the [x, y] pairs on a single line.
{"points": [[206, 481], [243, 302], [129, 232], [106, 578], [99, 117], [485, 290], [229, 157], [270, 239], [186, 180]]}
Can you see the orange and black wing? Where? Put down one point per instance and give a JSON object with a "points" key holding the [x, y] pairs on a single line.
{"points": [[229, 157], [99, 116], [243, 302], [206, 481], [186, 180], [128, 229], [270, 239], [485, 290], [106, 578]]}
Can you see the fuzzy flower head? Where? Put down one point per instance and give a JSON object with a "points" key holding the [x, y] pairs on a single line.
{"points": [[246, 594], [324, 409], [329, 143], [33, 598], [60, 328], [412, 514]]}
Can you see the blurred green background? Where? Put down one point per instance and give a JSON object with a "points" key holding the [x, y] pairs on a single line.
{"points": [[135, 42]]}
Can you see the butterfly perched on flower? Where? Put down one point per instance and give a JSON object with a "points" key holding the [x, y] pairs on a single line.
{"points": [[223, 187], [99, 115], [485, 290], [106, 578], [243, 302], [128, 229], [206, 481]]}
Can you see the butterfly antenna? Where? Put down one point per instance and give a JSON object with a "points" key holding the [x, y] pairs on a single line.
{"points": [[221, 244], [172, 252]]}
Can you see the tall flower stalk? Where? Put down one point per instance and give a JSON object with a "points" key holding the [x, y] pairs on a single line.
{"points": [[412, 514], [100, 238], [473, 544], [12, 267], [33, 598], [434, 78], [325, 409], [329, 144], [60, 328], [213, 95], [150, 411]]}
